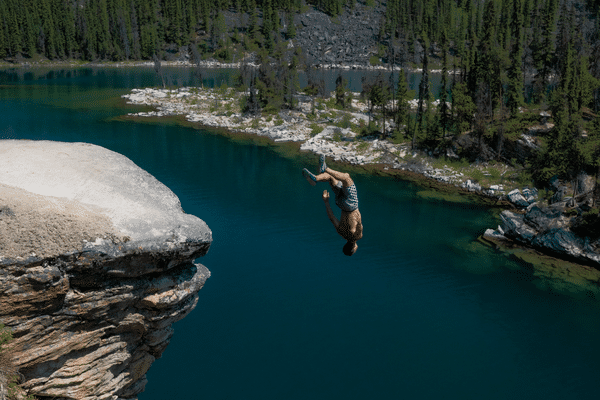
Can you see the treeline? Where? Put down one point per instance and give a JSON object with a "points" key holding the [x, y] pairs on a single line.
{"points": [[129, 29], [521, 42], [512, 59]]}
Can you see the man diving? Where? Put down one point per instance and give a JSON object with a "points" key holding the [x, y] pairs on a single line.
{"points": [[349, 226]]}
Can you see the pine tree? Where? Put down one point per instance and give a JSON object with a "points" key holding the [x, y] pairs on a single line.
{"points": [[3, 33], [267, 28], [463, 108], [423, 97], [253, 20], [135, 33], [443, 96], [291, 27], [515, 73], [403, 96]]}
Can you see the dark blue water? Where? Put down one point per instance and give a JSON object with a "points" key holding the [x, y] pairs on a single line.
{"points": [[421, 311]]}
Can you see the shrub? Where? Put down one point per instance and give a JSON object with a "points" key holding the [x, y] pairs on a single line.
{"points": [[362, 146], [8, 372], [374, 60], [345, 122], [315, 129]]}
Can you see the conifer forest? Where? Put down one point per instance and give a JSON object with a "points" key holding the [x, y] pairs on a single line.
{"points": [[503, 62]]}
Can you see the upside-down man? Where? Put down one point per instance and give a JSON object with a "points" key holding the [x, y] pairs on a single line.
{"points": [[349, 226]]}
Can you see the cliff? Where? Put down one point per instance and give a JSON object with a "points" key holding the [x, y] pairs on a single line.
{"points": [[96, 264]]}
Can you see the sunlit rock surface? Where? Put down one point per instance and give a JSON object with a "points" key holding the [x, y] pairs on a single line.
{"points": [[96, 264]]}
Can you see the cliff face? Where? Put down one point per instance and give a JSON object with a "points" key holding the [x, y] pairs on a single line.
{"points": [[96, 263]]}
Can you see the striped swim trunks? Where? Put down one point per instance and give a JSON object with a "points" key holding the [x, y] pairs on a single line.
{"points": [[346, 197]]}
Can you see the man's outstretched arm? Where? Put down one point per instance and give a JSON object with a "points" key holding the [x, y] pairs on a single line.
{"points": [[330, 214]]}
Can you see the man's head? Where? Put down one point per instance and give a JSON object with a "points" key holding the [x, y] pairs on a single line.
{"points": [[350, 248]]}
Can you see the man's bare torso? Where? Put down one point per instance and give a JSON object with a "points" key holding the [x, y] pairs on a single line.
{"points": [[350, 227]]}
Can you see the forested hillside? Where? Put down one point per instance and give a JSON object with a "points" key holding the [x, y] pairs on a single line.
{"points": [[512, 58]]}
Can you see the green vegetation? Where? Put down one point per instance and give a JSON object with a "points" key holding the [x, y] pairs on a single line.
{"points": [[492, 45], [315, 129], [137, 29], [8, 372], [512, 59]]}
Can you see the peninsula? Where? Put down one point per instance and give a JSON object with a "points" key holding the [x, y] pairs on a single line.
{"points": [[560, 224]]}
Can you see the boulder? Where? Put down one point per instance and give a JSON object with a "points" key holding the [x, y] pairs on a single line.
{"points": [[585, 183], [560, 240], [544, 218], [516, 198], [471, 186], [514, 226], [559, 195], [530, 194]]}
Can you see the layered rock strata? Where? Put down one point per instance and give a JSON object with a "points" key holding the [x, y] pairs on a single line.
{"points": [[96, 264]]}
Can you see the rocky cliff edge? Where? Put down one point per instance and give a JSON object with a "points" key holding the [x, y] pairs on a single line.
{"points": [[96, 264]]}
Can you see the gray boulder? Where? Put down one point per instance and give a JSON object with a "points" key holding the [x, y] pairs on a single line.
{"points": [[545, 218], [530, 194], [514, 226], [516, 198], [585, 183], [559, 195], [560, 240]]}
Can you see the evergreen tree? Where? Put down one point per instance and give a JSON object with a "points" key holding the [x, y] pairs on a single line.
{"points": [[423, 97], [515, 74], [267, 28], [444, 117], [3, 34], [379, 96], [291, 27], [463, 108], [341, 97], [253, 20], [403, 96]]}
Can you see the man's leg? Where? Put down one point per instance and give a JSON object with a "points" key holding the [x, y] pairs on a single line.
{"points": [[340, 176], [336, 175], [324, 177]]}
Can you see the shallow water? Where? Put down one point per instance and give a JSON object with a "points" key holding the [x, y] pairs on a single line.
{"points": [[421, 311]]}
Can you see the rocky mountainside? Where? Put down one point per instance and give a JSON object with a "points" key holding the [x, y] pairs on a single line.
{"points": [[348, 40], [98, 266]]}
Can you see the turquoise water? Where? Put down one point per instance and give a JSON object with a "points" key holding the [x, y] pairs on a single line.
{"points": [[421, 311]]}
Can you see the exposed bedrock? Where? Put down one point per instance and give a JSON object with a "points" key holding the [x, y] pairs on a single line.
{"points": [[96, 264]]}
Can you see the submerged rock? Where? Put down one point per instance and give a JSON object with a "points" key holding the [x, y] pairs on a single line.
{"points": [[97, 264]]}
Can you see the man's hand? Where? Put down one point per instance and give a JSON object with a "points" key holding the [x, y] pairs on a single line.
{"points": [[325, 196]]}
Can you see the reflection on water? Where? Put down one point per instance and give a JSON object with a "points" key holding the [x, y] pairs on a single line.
{"points": [[144, 76]]}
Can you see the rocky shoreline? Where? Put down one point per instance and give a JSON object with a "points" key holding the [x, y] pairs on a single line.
{"points": [[318, 130]]}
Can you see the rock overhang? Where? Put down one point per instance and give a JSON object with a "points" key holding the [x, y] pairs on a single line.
{"points": [[143, 211]]}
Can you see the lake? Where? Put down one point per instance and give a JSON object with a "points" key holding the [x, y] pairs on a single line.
{"points": [[421, 311]]}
